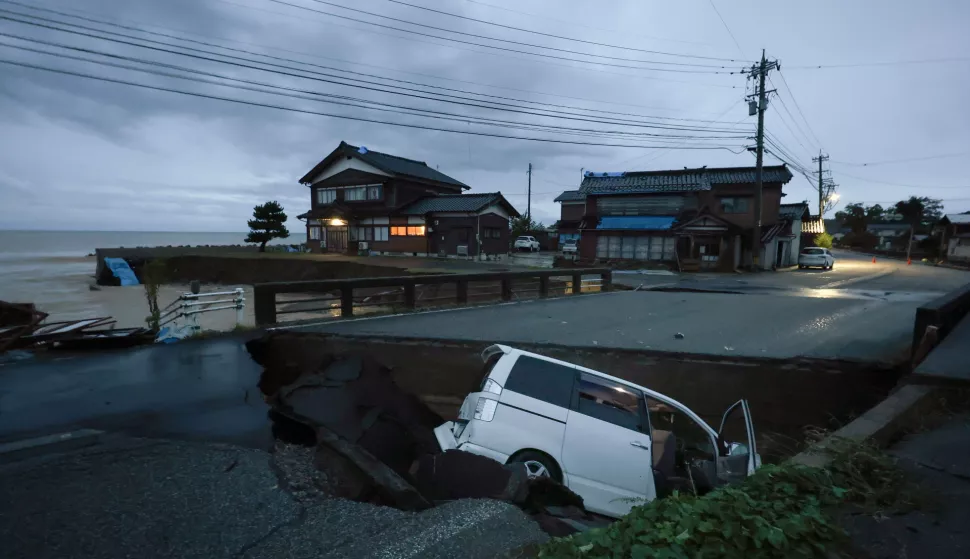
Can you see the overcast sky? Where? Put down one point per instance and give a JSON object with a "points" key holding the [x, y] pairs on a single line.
{"points": [[83, 154]]}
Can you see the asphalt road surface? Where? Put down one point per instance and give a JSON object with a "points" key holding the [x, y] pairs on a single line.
{"points": [[858, 311]]}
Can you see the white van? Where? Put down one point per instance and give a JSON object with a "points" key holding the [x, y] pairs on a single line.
{"points": [[611, 441]]}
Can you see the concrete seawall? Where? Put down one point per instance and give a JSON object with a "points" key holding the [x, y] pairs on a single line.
{"points": [[142, 254]]}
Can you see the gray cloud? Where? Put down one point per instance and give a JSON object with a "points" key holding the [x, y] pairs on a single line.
{"points": [[83, 154]]}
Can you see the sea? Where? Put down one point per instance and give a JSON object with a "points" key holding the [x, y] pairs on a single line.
{"points": [[55, 269]]}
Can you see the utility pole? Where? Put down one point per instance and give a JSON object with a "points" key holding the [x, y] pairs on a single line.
{"points": [[826, 186], [761, 71], [528, 207], [821, 183]]}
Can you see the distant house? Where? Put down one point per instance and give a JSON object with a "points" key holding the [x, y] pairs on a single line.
{"points": [[956, 237], [702, 218], [572, 206], [890, 235], [800, 222], [362, 199]]}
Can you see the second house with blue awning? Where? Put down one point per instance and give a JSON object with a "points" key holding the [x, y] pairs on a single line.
{"points": [[689, 218]]}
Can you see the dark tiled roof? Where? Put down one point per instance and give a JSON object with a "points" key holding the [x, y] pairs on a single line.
{"points": [[685, 180], [792, 211], [388, 163], [457, 203], [570, 196]]}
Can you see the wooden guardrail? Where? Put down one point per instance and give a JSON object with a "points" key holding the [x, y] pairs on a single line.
{"points": [[265, 300]]}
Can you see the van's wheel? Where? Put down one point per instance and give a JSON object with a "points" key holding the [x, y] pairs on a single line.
{"points": [[538, 464]]}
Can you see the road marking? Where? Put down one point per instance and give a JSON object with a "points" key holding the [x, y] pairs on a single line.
{"points": [[850, 281]]}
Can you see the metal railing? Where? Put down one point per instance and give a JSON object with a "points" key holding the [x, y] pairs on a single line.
{"points": [[265, 298], [184, 311]]}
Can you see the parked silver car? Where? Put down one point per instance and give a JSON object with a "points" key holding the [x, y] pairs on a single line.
{"points": [[816, 257], [526, 243], [570, 246]]}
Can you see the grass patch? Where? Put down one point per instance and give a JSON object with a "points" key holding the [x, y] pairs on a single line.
{"points": [[786, 510]]}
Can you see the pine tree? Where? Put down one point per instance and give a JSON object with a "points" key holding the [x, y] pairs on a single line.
{"points": [[268, 223]]}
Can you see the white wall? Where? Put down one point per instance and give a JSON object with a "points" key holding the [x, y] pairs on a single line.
{"points": [[345, 164]]}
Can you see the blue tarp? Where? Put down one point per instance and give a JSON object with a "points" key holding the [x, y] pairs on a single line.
{"points": [[637, 223], [121, 270]]}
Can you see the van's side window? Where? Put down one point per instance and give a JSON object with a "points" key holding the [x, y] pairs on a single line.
{"points": [[542, 380], [609, 401]]}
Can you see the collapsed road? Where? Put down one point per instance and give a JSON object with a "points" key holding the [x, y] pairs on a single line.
{"points": [[375, 443], [200, 393]]}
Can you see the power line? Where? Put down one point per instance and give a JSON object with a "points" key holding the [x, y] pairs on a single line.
{"points": [[509, 41], [908, 160], [328, 78], [797, 107], [141, 30], [794, 121], [318, 113], [886, 63], [659, 155], [327, 97], [863, 179], [574, 23], [716, 11], [563, 37], [488, 53]]}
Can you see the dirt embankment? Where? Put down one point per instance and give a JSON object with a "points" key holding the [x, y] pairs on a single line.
{"points": [[243, 270]]}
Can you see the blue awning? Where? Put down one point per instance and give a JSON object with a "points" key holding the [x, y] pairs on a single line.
{"points": [[637, 223]]}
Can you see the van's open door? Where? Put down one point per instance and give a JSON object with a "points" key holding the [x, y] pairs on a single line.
{"points": [[737, 450]]}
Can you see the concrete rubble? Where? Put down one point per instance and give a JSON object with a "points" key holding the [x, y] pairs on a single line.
{"points": [[374, 442]]}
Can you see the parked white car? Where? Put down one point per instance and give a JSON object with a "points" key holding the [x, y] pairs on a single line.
{"points": [[526, 243], [816, 257], [570, 246], [611, 441]]}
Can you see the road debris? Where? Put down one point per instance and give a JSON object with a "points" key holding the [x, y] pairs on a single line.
{"points": [[346, 429], [678, 336]]}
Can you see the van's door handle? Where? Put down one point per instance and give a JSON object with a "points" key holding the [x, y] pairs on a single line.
{"points": [[638, 444]]}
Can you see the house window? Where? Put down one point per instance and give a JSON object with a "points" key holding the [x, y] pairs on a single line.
{"points": [[380, 233], [463, 235], [314, 233], [493, 233], [409, 231], [326, 196], [635, 247], [355, 194], [361, 193], [734, 205]]}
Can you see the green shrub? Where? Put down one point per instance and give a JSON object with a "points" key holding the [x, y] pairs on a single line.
{"points": [[780, 511], [823, 240]]}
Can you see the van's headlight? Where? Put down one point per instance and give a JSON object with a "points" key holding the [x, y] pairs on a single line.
{"points": [[492, 386], [485, 409]]}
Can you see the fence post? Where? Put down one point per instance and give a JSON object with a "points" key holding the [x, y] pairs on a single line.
{"points": [[346, 300], [461, 289], [264, 305], [606, 280], [577, 284], [240, 303], [543, 286], [409, 300], [506, 289]]}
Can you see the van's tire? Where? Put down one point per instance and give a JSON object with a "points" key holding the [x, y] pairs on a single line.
{"points": [[538, 464]]}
